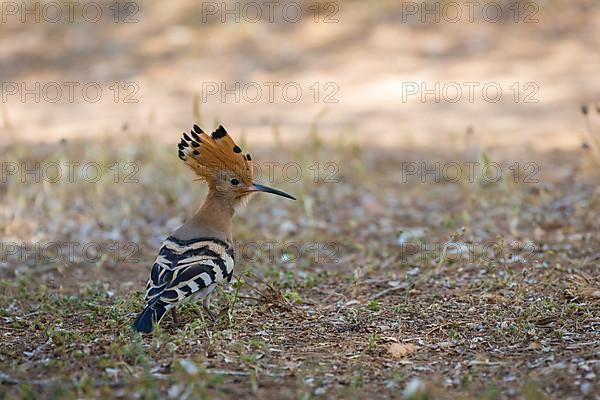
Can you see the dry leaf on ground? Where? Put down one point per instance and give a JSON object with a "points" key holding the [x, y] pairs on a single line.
{"points": [[399, 350]]}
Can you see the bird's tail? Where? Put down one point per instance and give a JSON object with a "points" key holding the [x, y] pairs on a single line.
{"points": [[152, 314]]}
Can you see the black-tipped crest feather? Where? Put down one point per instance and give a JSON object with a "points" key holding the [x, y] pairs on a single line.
{"points": [[207, 155], [219, 133]]}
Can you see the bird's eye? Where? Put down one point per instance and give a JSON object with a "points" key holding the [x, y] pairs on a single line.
{"points": [[235, 182]]}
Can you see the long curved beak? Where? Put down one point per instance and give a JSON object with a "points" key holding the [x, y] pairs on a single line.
{"points": [[262, 188]]}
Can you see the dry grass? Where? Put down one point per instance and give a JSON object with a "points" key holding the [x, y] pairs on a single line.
{"points": [[395, 263]]}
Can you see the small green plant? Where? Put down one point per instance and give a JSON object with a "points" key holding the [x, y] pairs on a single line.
{"points": [[373, 341], [373, 305], [237, 285], [452, 331], [294, 297]]}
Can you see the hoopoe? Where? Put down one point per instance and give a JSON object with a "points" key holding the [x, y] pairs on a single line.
{"points": [[199, 254]]}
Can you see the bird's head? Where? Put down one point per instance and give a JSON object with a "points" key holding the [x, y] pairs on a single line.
{"points": [[216, 159]]}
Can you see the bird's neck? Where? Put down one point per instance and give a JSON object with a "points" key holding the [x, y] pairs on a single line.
{"points": [[215, 213]]}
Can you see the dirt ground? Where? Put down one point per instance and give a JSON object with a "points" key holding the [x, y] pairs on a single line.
{"points": [[437, 250], [430, 288]]}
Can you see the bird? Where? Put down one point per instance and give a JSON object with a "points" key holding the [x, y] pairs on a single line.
{"points": [[199, 255]]}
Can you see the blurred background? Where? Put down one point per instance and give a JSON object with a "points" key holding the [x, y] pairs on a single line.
{"points": [[366, 70]]}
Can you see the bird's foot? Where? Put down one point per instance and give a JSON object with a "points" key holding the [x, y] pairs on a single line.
{"points": [[211, 315]]}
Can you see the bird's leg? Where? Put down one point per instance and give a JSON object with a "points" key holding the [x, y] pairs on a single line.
{"points": [[174, 314], [206, 306]]}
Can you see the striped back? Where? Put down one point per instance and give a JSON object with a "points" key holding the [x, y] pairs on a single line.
{"points": [[185, 267]]}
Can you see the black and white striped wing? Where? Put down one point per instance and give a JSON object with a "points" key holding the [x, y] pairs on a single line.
{"points": [[189, 269]]}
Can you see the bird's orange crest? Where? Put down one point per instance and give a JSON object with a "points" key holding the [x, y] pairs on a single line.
{"points": [[207, 155]]}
